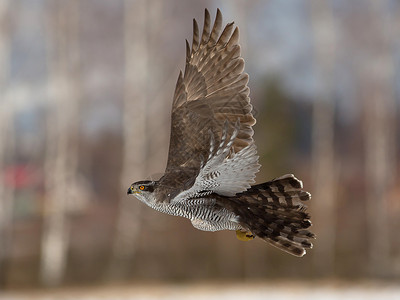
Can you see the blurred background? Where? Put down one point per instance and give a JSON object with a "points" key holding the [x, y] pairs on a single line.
{"points": [[85, 94]]}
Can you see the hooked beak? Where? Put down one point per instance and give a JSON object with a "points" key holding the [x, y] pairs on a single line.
{"points": [[130, 191]]}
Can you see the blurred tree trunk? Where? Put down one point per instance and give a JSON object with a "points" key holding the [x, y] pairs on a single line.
{"points": [[6, 142], [62, 129], [134, 134], [379, 125], [159, 98], [323, 160]]}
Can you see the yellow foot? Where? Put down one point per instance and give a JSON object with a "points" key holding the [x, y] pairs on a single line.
{"points": [[244, 235]]}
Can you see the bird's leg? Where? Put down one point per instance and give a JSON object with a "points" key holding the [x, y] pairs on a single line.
{"points": [[244, 235]]}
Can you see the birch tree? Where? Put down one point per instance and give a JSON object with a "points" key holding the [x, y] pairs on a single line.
{"points": [[323, 157], [134, 133], [379, 131], [6, 141], [62, 125]]}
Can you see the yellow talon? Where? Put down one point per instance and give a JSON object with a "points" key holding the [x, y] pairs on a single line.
{"points": [[244, 235]]}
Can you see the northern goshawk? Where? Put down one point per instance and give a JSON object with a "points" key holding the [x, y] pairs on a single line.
{"points": [[212, 158]]}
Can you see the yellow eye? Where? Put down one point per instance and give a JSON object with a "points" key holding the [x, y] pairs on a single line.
{"points": [[141, 187], [131, 188]]}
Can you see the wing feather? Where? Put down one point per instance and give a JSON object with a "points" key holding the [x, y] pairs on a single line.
{"points": [[212, 92], [195, 42]]}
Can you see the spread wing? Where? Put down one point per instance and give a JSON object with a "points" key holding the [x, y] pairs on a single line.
{"points": [[211, 101]]}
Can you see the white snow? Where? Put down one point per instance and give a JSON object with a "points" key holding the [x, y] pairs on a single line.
{"points": [[219, 291]]}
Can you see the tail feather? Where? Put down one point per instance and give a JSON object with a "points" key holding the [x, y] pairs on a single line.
{"points": [[274, 212]]}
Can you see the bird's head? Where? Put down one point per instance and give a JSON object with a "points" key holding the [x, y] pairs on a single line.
{"points": [[141, 187], [143, 190]]}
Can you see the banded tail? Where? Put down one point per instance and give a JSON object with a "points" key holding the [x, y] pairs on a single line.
{"points": [[274, 212]]}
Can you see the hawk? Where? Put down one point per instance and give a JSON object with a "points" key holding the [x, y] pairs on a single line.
{"points": [[212, 159]]}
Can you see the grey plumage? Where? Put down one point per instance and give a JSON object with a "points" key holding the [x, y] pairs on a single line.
{"points": [[212, 158]]}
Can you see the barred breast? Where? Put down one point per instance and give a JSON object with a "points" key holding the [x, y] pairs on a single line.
{"points": [[203, 213]]}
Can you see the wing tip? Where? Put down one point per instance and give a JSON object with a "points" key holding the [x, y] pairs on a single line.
{"points": [[234, 39], [206, 14], [195, 41], [218, 14], [188, 52]]}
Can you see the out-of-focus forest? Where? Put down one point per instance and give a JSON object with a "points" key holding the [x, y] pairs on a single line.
{"points": [[85, 94]]}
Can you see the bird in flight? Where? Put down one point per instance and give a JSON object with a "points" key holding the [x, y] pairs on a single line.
{"points": [[212, 159]]}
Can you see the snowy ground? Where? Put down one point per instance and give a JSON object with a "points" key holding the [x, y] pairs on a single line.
{"points": [[220, 291]]}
